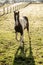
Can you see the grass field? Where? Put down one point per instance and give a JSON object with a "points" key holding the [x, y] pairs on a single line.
{"points": [[10, 51]]}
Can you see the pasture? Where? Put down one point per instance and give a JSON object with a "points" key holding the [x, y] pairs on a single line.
{"points": [[10, 51]]}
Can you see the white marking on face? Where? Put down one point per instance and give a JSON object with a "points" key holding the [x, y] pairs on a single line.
{"points": [[16, 17]]}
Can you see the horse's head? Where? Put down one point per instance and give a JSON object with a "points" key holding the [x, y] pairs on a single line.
{"points": [[16, 15]]}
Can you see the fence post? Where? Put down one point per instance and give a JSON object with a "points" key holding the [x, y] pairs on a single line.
{"points": [[10, 10], [7, 10], [3, 10], [13, 8], [18, 7]]}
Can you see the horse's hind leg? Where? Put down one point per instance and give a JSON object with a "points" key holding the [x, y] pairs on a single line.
{"points": [[28, 29]]}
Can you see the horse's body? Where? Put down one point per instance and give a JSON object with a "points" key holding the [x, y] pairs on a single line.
{"points": [[20, 24]]}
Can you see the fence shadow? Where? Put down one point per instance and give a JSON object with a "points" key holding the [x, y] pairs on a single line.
{"points": [[20, 57]]}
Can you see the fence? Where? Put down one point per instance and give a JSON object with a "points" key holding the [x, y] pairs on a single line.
{"points": [[17, 6]]}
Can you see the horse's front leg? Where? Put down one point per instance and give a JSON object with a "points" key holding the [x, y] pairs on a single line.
{"points": [[21, 40], [22, 43]]}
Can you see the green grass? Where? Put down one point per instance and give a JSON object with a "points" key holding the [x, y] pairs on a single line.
{"points": [[10, 51]]}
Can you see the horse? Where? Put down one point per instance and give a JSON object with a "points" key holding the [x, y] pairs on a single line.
{"points": [[20, 25]]}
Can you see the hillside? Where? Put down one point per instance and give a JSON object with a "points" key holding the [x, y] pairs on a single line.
{"points": [[10, 52]]}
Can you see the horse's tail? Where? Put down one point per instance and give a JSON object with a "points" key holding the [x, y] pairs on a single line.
{"points": [[28, 26]]}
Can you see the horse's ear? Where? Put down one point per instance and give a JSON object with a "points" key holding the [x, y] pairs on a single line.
{"points": [[14, 11], [18, 11]]}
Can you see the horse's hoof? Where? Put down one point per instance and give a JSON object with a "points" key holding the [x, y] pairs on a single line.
{"points": [[21, 47]]}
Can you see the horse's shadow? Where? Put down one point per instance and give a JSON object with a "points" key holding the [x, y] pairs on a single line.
{"points": [[20, 57]]}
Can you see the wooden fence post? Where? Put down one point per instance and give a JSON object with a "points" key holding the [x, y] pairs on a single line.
{"points": [[3, 10], [7, 10], [13, 8], [10, 9]]}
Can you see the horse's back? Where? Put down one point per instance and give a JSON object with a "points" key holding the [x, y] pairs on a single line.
{"points": [[24, 21]]}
